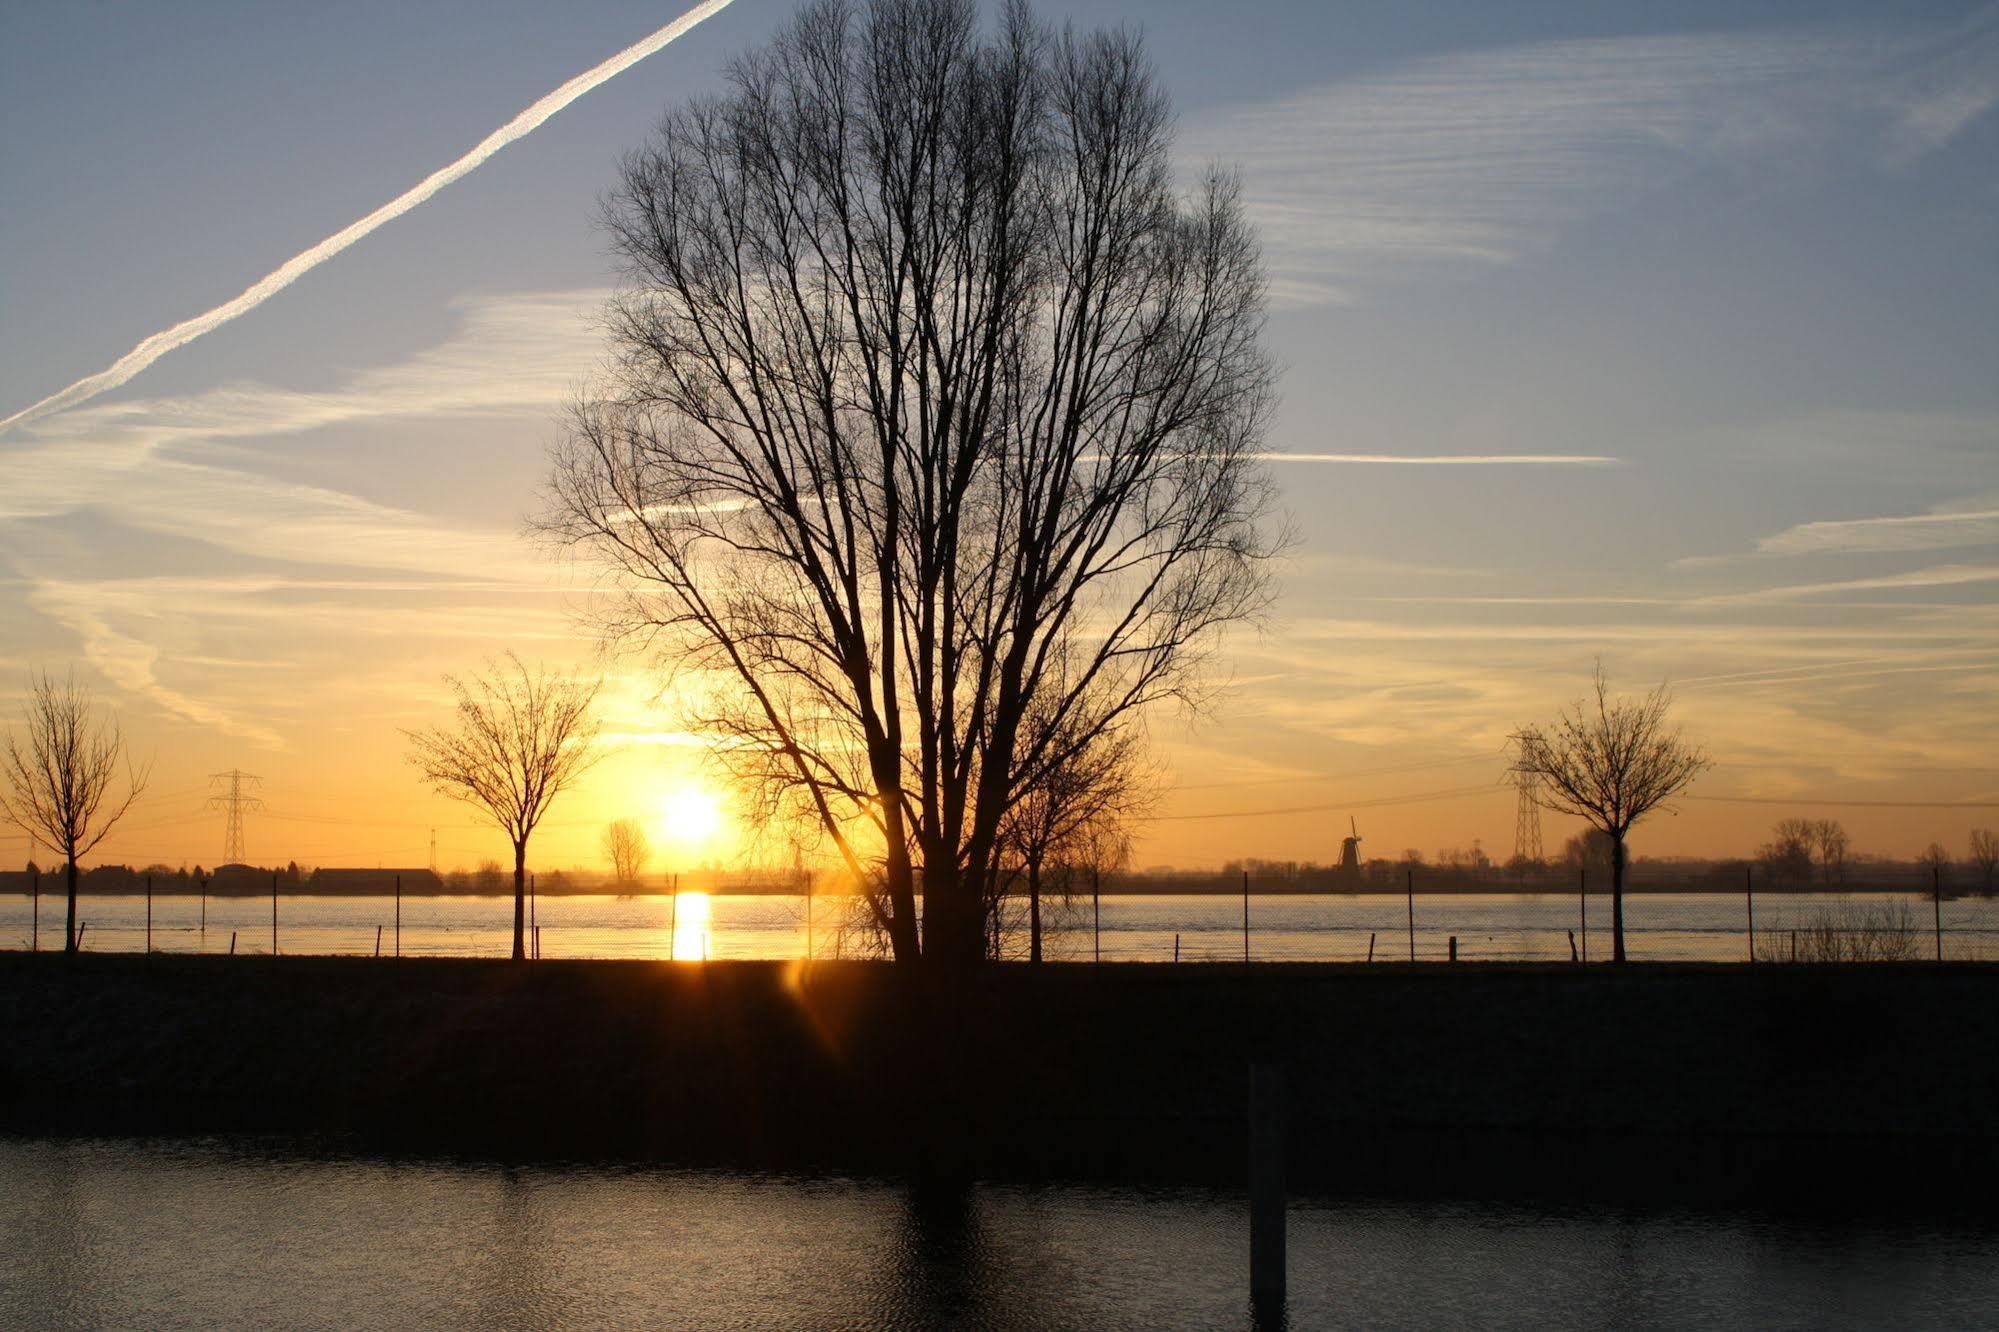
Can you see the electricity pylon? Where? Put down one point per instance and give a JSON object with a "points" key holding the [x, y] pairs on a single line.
{"points": [[235, 804], [1527, 814]]}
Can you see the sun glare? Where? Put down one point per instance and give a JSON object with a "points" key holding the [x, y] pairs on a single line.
{"points": [[691, 819], [691, 919]]}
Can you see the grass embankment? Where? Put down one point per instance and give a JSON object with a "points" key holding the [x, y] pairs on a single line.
{"points": [[1707, 1082]]}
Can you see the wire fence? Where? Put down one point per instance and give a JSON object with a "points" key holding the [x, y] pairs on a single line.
{"points": [[1857, 924]]}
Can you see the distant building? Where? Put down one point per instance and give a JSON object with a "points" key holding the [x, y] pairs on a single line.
{"points": [[375, 882]]}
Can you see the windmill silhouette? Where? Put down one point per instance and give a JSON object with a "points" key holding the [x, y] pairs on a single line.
{"points": [[1350, 849]]}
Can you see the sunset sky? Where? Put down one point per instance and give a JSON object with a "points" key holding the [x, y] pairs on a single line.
{"points": [[1665, 334]]}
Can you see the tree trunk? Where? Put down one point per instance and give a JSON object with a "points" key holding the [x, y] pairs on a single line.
{"points": [[520, 900], [1617, 897], [69, 931], [1034, 911]]}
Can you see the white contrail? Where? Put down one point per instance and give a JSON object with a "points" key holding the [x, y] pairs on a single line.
{"points": [[1450, 459], [159, 344]]}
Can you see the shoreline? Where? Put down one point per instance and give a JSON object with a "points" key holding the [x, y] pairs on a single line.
{"points": [[1701, 1083]]}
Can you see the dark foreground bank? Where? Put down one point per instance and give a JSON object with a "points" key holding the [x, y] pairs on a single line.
{"points": [[1815, 1086]]}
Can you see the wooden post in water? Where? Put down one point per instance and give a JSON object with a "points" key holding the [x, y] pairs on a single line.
{"points": [[1176, 945], [1582, 896], [149, 913], [1370, 945], [1454, 948], [1936, 901], [399, 915], [232, 943], [534, 930], [203, 881], [274, 913], [673, 919], [1266, 1190], [1245, 916], [537, 943], [1749, 900], [35, 944], [378, 941], [1573, 955], [79, 935], [1409, 886]]}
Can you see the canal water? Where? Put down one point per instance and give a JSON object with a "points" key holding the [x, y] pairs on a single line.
{"points": [[215, 1234]]}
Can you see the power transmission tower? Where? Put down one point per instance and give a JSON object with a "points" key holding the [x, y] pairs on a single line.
{"points": [[1527, 814], [235, 804]]}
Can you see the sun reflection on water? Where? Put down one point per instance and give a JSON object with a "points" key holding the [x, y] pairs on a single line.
{"points": [[691, 917]]}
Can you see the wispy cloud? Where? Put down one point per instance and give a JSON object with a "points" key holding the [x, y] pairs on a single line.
{"points": [[1937, 530], [1448, 459], [158, 464], [1945, 575], [1485, 156]]}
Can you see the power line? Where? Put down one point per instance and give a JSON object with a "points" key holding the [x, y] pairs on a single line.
{"points": [[1845, 804], [1383, 802]]}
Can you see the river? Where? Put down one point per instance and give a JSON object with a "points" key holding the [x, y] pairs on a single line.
{"points": [[1203, 928]]}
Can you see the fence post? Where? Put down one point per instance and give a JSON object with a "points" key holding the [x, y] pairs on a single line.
{"points": [[1176, 947], [232, 943], [399, 915], [1266, 1189], [1245, 916], [1936, 902], [1749, 899], [79, 935], [35, 944], [1573, 957], [1370, 945], [1097, 915], [203, 881], [1454, 948], [378, 941], [1409, 887], [673, 921], [274, 913], [1582, 897], [534, 930]]}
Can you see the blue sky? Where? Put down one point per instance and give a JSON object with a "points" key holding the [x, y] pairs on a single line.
{"points": [[1747, 251]]}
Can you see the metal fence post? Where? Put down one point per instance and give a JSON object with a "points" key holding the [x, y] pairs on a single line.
{"points": [[1409, 888], [1245, 916], [1749, 899], [1936, 902]]}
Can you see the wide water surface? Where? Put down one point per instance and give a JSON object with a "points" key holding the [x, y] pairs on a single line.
{"points": [[1291, 928], [206, 1234]]}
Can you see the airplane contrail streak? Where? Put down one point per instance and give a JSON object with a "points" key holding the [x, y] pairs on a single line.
{"points": [[159, 344]]}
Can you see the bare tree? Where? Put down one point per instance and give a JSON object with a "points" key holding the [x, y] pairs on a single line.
{"points": [[626, 848], [1787, 857], [933, 408], [1830, 841], [1062, 820], [1936, 859], [1611, 761], [1985, 855], [520, 737], [58, 787]]}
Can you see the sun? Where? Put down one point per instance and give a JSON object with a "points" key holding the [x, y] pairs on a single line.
{"points": [[691, 818]]}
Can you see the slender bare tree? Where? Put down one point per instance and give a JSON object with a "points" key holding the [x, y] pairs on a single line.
{"points": [[58, 782], [1985, 856], [1611, 761], [519, 738], [934, 407], [625, 846], [1054, 825], [1830, 841]]}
